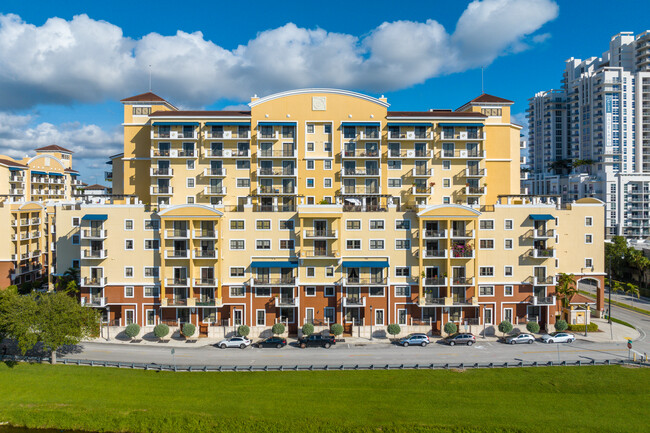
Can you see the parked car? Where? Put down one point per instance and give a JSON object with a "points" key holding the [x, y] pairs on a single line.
{"points": [[316, 340], [414, 340], [520, 338], [277, 342], [241, 342], [461, 338], [558, 337]]}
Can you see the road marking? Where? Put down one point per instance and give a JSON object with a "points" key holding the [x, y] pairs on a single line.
{"points": [[573, 351]]}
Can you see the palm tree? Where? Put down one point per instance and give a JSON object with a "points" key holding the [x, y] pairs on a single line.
{"points": [[566, 288], [72, 274], [632, 290]]}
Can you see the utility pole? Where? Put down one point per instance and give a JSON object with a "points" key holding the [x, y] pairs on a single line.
{"points": [[371, 318], [609, 309]]}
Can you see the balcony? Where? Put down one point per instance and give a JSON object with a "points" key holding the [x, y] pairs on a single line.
{"points": [[475, 172], [410, 135], [281, 281], [462, 154], [161, 172], [209, 301], [16, 191], [277, 153], [353, 302], [319, 253], [430, 300], [415, 154], [177, 234], [362, 135], [214, 190], [16, 178], [271, 190], [435, 254], [541, 281], [369, 281], [214, 172], [436, 281], [474, 190], [95, 254], [360, 172], [422, 172], [286, 302], [173, 135], [421, 190], [227, 153], [361, 153], [462, 234], [204, 254], [173, 153], [360, 190], [228, 135], [161, 190], [205, 282], [93, 301], [273, 135], [463, 301], [434, 234], [320, 234], [94, 281], [542, 253], [462, 136], [177, 282], [543, 300], [205, 234], [543, 234], [94, 234], [177, 254], [462, 281], [277, 172], [35, 221]]}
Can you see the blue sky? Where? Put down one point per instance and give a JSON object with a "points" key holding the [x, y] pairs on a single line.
{"points": [[61, 80]]}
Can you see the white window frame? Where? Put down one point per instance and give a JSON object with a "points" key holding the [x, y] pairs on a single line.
{"points": [[485, 276], [280, 224], [286, 240], [270, 292], [236, 267], [263, 249], [155, 291], [262, 221], [132, 271], [144, 271], [132, 291], [486, 240], [353, 240], [512, 271], [157, 222], [330, 180], [132, 225], [313, 182], [505, 224], [485, 221], [589, 238], [408, 295], [491, 322], [505, 290], [352, 230], [238, 286], [312, 269], [448, 180], [512, 244], [236, 249], [313, 146], [511, 313], [481, 287], [257, 317], [383, 241], [399, 321], [592, 262], [236, 230], [325, 289], [383, 292], [591, 223], [375, 220], [383, 316], [144, 245], [189, 180], [403, 249], [307, 293]]}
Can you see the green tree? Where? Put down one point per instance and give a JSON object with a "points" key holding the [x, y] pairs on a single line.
{"points": [[565, 288], [561, 325], [307, 329], [393, 329], [532, 327], [161, 330], [243, 331], [132, 330], [336, 329], [450, 328], [278, 329], [505, 327], [188, 329]]}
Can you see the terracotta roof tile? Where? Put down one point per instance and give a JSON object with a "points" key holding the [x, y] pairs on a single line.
{"points": [[12, 163], [434, 113], [581, 299], [198, 113], [144, 97], [96, 187], [53, 147]]}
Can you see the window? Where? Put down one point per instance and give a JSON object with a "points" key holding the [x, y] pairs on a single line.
{"points": [[588, 238], [311, 164], [287, 244], [262, 244], [486, 244], [151, 224], [376, 244], [237, 272], [402, 224], [486, 225], [508, 291], [151, 272], [128, 244], [329, 313], [151, 244], [311, 272], [311, 182], [401, 317], [507, 314], [327, 129], [150, 317], [486, 271], [394, 164], [403, 291], [402, 271], [237, 244], [310, 128], [402, 244], [75, 264], [446, 165], [237, 225], [190, 182], [327, 164], [488, 316], [141, 111], [128, 224], [237, 291], [376, 224], [263, 224], [286, 224], [327, 182], [128, 291], [353, 244], [75, 239], [310, 291], [589, 263], [128, 272], [190, 164], [379, 317], [508, 224], [446, 183], [262, 292], [330, 291], [76, 221], [446, 199], [507, 271], [507, 244], [151, 292], [260, 317], [395, 182], [243, 183], [329, 271], [243, 164], [486, 290], [589, 221], [376, 291], [189, 199], [353, 225]]}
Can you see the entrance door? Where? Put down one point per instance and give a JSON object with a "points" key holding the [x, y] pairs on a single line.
{"points": [[238, 317]]}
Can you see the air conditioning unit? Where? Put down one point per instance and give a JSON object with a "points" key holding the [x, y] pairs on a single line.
{"points": [[463, 135], [227, 134], [173, 153], [410, 135], [410, 153], [173, 134], [463, 154], [227, 153]]}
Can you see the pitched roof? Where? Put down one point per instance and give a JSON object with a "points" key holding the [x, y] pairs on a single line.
{"points": [[53, 147], [434, 113], [12, 163], [144, 97], [69, 170], [197, 113], [491, 99], [581, 299], [96, 187]]}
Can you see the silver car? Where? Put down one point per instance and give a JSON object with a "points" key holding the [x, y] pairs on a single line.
{"points": [[520, 338], [241, 342], [558, 337]]}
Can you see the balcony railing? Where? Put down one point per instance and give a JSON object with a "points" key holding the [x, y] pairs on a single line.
{"points": [[177, 234], [360, 190], [543, 300], [214, 190], [474, 190], [161, 190], [276, 154], [465, 253], [363, 208], [227, 135], [95, 254], [205, 282], [421, 172], [318, 253], [283, 281], [435, 254], [360, 172], [288, 302], [419, 189], [205, 234], [321, 233], [462, 281], [94, 281], [360, 153], [173, 135], [543, 234], [277, 172], [204, 254], [94, 234], [227, 153], [436, 281], [471, 154], [475, 172], [277, 190], [161, 172], [542, 253], [214, 172], [178, 282], [93, 301], [176, 254], [435, 234], [372, 281]]}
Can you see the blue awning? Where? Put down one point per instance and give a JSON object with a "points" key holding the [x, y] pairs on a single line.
{"points": [[42, 173], [541, 217], [95, 217], [15, 168], [228, 123], [175, 123], [460, 124], [55, 174], [73, 174], [409, 124], [360, 123], [273, 264], [276, 123], [365, 264]]}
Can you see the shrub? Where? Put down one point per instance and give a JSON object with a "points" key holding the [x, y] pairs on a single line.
{"points": [[132, 330], [161, 330], [450, 328], [278, 329], [393, 329], [188, 329], [505, 327], [560, 325], [592, 327], [243, 331], [336, 329], [533, 327], [307, 329]]}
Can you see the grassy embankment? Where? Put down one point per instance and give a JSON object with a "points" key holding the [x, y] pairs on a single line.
{"points": [[557, 399]]}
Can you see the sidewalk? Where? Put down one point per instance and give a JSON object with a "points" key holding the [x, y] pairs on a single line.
{"points": [[623, 298], [620, 333]]}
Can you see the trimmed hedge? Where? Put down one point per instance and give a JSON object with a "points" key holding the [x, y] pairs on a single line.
{"points": [[393, 329], [450, 328], [132, 330], [188, 329], [278, 329], [561, 325], [243, 331], [505, 327], [336, 329], [532, 327], [307, 329], [592, 327], [161, 330]]}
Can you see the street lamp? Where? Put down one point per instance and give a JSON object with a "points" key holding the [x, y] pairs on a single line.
{"points": [[371, 318], [586, 315]]}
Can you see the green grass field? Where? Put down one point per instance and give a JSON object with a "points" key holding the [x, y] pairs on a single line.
{"points": [[557, 399]]}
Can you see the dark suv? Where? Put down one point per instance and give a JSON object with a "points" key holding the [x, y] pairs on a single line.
{"points": [[316, 340], [461, 338]]}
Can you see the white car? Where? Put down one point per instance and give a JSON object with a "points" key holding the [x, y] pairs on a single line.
{"points": [[558, 337], [521, 338], [241, 342]]}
